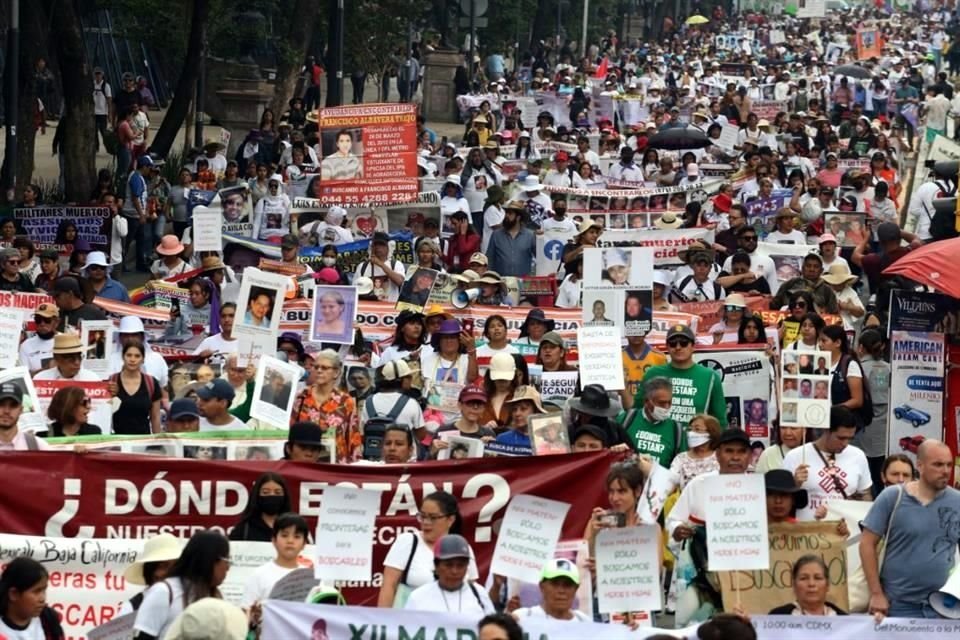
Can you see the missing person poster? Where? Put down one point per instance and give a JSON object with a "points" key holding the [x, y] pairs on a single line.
{"points": [[805, 389], [97, 338], [274, 391], [369, 154], [259, 307]]}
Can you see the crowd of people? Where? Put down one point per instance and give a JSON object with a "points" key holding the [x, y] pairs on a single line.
{"points": [[842, 139]]}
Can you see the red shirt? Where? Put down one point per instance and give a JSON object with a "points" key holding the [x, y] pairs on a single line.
{"points": [[459, 250]]}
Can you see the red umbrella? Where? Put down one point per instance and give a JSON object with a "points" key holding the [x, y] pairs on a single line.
{"points": [[932, 265]]}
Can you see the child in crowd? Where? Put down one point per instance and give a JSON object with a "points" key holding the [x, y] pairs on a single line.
{"points": [[289, 539]]}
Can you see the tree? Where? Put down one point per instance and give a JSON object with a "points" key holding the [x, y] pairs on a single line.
{"points": [[375, 29], [33, 44], [80, 168], [291, 50], [187, 82]]}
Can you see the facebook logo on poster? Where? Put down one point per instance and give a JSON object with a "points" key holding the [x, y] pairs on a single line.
{"points": [[553, 249]]}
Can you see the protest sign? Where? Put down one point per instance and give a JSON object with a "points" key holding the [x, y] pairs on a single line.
{"points": [[234, 205], [558, 386], [363, 222], [943, 148], [415, 291], [763, 589], [528, 537], [259, 308], [849, 227], [460, 447], [295, 586], [97, 338], [617, 288], [922, 311], [345, 528], [916, 390], [736, 513], [60, 226], [746, 375], [299, 621], [628, 569], [600, 361], [550, 247], [126, 496], [768, 109], [207, 229], [869, 43], [548, 434], [335, 308], [761, 212], [275, 390], [101, 408], [11, 326], [805, 382], [353, 254], [370, 154], [787, 258], [664, 242]]}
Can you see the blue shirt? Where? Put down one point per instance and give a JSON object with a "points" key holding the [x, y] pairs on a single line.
{"points": [[514, 438], [512, 256], [136, 189], [113, 290]]}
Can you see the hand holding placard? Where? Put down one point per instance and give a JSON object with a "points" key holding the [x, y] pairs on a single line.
{"points": [[628, 569], [528, 537]]}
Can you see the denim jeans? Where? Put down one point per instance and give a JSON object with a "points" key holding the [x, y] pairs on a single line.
{"points": [[135, 234], [911, 610]]}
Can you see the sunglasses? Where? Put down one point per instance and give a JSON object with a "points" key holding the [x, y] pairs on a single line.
{"points": [[749, 238], [799, 305], [731, 307], [11, 261], [679, 344], [43, 320]]}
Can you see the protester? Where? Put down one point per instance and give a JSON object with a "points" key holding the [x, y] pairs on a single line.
{"points": [[324, 404], [499, 626], [269, 498], [703, 434], [452, 558], [811, 582], [558, 587], [12, 438], [289, 537], [138, 394], [23, 609], [305, 443], [68, 412], [159, 555]]}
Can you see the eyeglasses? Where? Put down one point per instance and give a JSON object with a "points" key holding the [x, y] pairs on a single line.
{"points": [[731, 307], [98, 267], [323, 367], [679, 344], [430, 517], [85, 402], [799, 304], [227, 560]]}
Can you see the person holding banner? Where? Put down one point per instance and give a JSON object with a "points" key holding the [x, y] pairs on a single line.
{"points": [[452, 590], [69, 409]]}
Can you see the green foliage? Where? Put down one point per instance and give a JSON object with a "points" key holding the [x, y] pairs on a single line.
{"points": [[376, 28]]}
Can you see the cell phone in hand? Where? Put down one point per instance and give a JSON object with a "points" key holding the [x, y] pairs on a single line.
{"points": [[468, 325], [613, 519]]}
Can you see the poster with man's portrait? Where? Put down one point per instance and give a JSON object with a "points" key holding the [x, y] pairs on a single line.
{"points": [[236, 209], [849, 227], [342, 154], [259, 308], [334, 310], [274, 391], [97, 337], [415, 292]]}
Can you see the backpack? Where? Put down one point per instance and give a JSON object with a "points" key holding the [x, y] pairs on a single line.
{"points": [[376, 426], [864, 414], [717, 290]]}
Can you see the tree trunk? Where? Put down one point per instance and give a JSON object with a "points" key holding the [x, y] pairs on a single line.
{"points": [[80, 169], [33, 44], [303, 17], [167, 134]]}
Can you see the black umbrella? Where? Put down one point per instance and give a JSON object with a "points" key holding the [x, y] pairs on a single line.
{"points": [[679, 138], [854, 71]]}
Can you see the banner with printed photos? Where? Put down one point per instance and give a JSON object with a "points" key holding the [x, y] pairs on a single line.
{"points": [[805, 389], [641, 200], [352, 254], [849, 227], [787, 258], [363, 222]]}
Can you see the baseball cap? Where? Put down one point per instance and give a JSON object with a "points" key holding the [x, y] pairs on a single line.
{"points": [[47, 310], [451, 546], [380, 236], [218, 389], [305, 433], [10, 391], [552, 337], [145, 161], [478, 258], [471, 393], [734, 435], [66, 285], [681, 330], [827, 237], [395, 370], [560, 568], [561, 156], [502, 367], [183, 408]]}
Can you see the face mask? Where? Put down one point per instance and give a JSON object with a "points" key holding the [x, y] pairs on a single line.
{"points": [[329, 262], [659, 414], [270, 505], [695, 439]]}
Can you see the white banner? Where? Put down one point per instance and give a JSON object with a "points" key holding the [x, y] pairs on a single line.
{"points": [[916, 390], [664, 242], [207, 229], [87, 587], [549, 251]]}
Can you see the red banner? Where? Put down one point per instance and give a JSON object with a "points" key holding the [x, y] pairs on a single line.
{"points": [[126, 496]]}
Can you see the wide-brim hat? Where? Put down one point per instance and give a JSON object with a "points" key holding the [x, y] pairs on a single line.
{"points": [[669, 220], [838, 273], [67, 344], [531, 183], [160, 548], [697, 246], [587, 224], [212, 263], [527, 392], [781, 481], [594, 401], [170, 245], [447, 328], [537, 316]]}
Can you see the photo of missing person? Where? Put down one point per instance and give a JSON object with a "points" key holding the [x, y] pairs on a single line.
{"points": [[343, 155], [415, 291], [260, 307], [236, 204], [461, 448], [599, 307], [334, 310], [637, 312], [204, 452], [276, 388], [548, 434], [756, 414]]}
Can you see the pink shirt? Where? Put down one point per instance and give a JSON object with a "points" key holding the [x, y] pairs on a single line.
{"points": [[19, 443]]}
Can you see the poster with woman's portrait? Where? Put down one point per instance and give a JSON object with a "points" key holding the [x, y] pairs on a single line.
{"points": [[460, 448], [334, 309], [205, 451], [548, 434], [97, 337]]}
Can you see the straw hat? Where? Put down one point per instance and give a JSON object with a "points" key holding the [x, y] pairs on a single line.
{"points": [[839, 273], [527, 392], [587, 224], [160, 548], [66, 344], [669, 220], [697, 246]]}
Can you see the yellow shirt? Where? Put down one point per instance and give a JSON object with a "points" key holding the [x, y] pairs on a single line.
{"points": [[636, 365]]}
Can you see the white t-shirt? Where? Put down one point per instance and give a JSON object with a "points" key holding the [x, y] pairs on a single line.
{"points": [[328, 233], [421, 567], [101, 94], [162, 603], [217, 344], [538, 612], [261, 581], [794, 237], [563, 226], [33, 631], [486, 351], [849, 472], [84, 375], [492, 217], [233, 425], [760, 265], [411, 414], [469, 599], [390, 290], [34, 351]]}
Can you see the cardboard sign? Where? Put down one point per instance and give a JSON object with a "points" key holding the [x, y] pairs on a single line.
{"points": [[259, 308], [207, 229], [762, 590], [528, 537], [600, 360], [737, 523], [344, 537], [628, 569]]}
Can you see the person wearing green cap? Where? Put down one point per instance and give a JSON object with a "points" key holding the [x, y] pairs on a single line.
{"points": [[559, 582]]}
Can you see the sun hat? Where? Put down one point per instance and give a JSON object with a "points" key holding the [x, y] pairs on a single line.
{"points": [[478, 258], [530, 183], [587, 224], [437, 310], [212, 263], [697, 246], [560, 568], [669, 220], [130, 324], [447, 328], [827, 237], [536, 315], [502, 367], [96, 258], [490, 277], [67, 344], [170, 245], [735, 300], [838, 273], [594, 401], [527, 392], [209, 619], [160, 548], [308, 433]]}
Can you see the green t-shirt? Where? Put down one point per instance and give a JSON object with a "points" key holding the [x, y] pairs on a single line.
{"points": [[695, 390], [659, 440]]}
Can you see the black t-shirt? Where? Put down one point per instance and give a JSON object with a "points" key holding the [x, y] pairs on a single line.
{"points": [[133, 416], [481, 433], [84, 312], [56, 430], [22, 283], [760, 285]]}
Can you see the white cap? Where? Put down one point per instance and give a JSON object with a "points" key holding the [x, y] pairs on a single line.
{"points": [[98, 258], [693, 169], [131, 324], [335, 215], [502, 367]]}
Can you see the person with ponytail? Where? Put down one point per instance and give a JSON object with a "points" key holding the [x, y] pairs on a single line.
{"points": [[872, 348], [847, 387], [409, 563], [197, 574], [24, 614]]}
